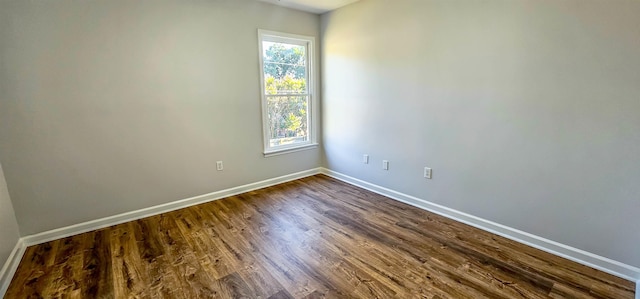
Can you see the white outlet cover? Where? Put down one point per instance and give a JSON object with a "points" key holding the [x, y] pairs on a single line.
{"points": [[427, 172]]}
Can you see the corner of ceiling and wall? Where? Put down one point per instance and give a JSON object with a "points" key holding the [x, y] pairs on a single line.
{"points": [[312, 6]]}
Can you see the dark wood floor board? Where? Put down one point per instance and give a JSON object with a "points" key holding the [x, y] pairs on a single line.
{"points": [[486, 266], [97, 280], [127, 267], [315, 237], [228, 239], [260, 280], [274, 252], [31, 269], [364, 284], [488, 247], [294, 280], [488, 251], [236, 287], [282, 294], [193, 279], [591, 270], [361, 220], [560, 292], [211, 258], [167, 283], [396, 270], [64, 279], [255, 251], [251, 271]]}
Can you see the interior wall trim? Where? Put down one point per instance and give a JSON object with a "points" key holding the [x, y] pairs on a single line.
{"points": [[577, 255], [10, 266], [159, 209]]}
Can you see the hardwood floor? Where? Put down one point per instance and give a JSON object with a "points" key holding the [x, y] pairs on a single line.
{"points": [[311, 238]]}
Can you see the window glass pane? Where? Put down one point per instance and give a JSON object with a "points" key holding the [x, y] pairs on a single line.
{"points": [[285, 70], [288, 120]]}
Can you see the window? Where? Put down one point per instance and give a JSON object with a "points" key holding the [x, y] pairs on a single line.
{"points": [[287, 81]]}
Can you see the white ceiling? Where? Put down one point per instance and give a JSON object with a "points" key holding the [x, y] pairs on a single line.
{"points": [[313, 6]]}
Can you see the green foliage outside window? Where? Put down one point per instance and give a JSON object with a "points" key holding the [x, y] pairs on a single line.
{"points": [[286, 89]]}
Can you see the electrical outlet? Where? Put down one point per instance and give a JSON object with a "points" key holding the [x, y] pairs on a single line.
{"points": [[219, 166], [365, 159], [385, 164], [427, 172]]}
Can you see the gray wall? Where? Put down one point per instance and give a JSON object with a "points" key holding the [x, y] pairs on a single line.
{"points": [[8, 225], [113, 106], [527, 111]]}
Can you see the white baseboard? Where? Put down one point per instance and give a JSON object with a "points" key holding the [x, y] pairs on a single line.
{"points": [[604, 264], [10, 266], [159, 209], [577, 255]]}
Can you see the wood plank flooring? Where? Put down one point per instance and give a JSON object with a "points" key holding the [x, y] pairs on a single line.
{"points": [[311, 238]]}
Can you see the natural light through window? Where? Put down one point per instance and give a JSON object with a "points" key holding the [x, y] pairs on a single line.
{"points": [[287, 79]]}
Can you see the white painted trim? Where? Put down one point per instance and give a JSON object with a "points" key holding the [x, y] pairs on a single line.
{"points": [[10, 266], [291, 150], [577, 255], [601, 263], [159, 209], [309, 42]]}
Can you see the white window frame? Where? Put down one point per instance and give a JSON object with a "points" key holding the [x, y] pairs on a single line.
{"points": [[309, 43]]}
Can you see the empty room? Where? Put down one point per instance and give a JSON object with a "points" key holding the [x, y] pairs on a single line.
{"points": [[319, 149]]}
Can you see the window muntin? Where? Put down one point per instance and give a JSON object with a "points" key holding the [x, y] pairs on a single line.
{"points": [[287, 84]]}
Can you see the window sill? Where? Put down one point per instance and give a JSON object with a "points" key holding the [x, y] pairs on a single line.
{"points": [[283, 151]]}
